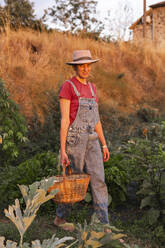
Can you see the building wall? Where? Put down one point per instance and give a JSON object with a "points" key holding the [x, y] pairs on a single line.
{"points": [[159, 24], [138, 32], [155, 32]]}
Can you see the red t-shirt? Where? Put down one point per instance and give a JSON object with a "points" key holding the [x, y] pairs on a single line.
{"points": [[67, 92]]}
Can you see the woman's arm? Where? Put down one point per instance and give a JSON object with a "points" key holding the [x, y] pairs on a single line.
{"points": [[65, 110], [99, 131]]}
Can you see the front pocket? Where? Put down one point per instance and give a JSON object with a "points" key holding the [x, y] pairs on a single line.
{"points": [[72, 139], [93, 136]]}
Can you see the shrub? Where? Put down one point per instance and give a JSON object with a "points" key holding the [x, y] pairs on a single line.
{"points": [[34, 169], [116, 178], [12, 128], [92, 235], [146, 164]]}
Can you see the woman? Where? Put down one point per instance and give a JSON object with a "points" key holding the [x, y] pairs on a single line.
{"points": [[80, 130]]}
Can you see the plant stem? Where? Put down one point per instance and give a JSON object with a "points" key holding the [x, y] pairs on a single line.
{"points": [[21, 242], [72, 244]]}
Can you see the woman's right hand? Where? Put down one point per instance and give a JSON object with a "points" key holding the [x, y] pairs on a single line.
{"points": [[64, 159]]}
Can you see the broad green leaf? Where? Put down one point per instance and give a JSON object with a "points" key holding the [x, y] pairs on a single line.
{"points": [[109, 199], [118, 236], [145, 202], [144, 191], [113, 228], [107, 240]]}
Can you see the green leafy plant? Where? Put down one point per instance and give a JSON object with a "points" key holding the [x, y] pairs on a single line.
{"points": [[153, 192], [54, 242], [34, 169], [146, 164], [34, 196], [94, 235], [12, 128], [116, 178]]}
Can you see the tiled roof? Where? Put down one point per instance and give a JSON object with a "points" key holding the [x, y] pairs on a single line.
{"points": [[140, 19], [157, 5], [154, 6]]}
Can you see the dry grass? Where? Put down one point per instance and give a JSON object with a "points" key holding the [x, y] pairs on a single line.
{"points": [[33, 65]]}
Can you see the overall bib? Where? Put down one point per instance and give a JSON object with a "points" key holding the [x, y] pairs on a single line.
{"points": [[84, 152]]}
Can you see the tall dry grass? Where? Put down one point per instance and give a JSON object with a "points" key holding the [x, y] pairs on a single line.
{"points": [[33, 65]]}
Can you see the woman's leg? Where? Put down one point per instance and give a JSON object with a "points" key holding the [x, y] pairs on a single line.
{"points": [[95, 168]]}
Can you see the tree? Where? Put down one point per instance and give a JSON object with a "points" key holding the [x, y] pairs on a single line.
{"points": [[119, 20], [75, 15], [21, 12], [124, 19]]}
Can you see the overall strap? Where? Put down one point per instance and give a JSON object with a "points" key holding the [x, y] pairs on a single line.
{"points": [[74, 87], [90, 85]]}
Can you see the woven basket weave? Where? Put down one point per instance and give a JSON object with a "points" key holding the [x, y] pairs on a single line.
{"points": [[72, 188]]}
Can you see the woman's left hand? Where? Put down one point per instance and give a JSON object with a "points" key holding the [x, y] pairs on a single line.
{"points": [[106, 154]]}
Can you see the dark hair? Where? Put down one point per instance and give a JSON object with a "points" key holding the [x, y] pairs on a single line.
{"points": [[75, 67]]}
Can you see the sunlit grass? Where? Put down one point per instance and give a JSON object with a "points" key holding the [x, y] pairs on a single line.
{"points": [[127, 76]]}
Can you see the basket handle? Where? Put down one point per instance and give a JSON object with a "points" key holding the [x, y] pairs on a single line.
{"points": [[64, 170]]}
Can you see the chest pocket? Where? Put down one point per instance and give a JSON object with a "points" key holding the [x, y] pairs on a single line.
{"points": [[87, 111]]}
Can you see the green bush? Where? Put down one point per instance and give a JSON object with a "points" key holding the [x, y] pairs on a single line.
{"points": [[44, 136], [12, 128], [153, 192], [145, 163], [40, 166], [116, 178]]}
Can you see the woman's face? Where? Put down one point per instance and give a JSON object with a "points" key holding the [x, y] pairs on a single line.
{"points": [[83, 70]]}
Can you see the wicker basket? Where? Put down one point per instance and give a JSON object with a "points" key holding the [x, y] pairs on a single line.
{"points": [[72, 188]]}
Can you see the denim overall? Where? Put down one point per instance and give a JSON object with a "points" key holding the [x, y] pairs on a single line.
{"points": [[84, 152]]}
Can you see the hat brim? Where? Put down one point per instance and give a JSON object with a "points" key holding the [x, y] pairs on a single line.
{"points": [[80, 62]]}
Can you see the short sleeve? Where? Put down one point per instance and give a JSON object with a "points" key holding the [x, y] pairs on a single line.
{"points": [[65, 91]]}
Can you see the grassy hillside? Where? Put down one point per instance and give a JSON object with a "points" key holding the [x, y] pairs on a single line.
{"points": [[128, 77]]}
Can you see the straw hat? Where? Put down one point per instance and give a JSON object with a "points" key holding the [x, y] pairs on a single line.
{"points": [[82, 57]]}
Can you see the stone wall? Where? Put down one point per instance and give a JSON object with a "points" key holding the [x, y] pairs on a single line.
{"points": [[159, 24], [155, 32], [138, 32]]}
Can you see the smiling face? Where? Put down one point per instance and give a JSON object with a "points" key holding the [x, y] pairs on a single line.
{"points": [[83, 71]]}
